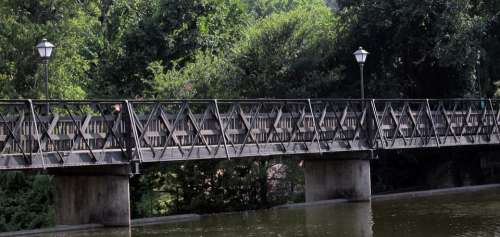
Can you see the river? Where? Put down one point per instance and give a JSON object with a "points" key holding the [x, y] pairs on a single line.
{"points": [[465, 214]]}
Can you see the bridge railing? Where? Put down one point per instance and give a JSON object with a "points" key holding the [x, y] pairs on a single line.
{"points": [[231, 128], [33, 134], [424, 123], [59, 132]]}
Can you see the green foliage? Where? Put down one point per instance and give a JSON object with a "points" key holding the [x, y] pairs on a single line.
{"points": [[208, 186], [206, 77], [288, 52], [490, 71], [169, 34], [169, 84], [26, 201], [21, 27], [418, 48], [263, 8]]}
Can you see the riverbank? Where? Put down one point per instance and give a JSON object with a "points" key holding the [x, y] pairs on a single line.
{"points": [[191, 217]]}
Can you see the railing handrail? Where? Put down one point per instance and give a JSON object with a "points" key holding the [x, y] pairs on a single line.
{"points": [[243, 100]]}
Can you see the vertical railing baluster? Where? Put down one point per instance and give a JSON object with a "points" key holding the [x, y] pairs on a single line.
{"points": [[431, 119], [369, 125], [36, 133], [377, 123], [30, 134], [495, 119], [316, 134], [222, 133], [131, 134]]}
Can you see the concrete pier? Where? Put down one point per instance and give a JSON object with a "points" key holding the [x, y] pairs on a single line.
{"points": [[92, 195], [332, 178]]}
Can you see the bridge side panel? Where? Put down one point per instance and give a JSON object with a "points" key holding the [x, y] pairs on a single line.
{"points": [[85, 196], [333, 178]]}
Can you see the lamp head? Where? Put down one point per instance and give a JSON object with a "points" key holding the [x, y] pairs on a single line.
{"points": [[361, 55], [45, 49]]}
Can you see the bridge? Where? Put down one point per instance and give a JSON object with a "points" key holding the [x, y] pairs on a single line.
{"points": [[91, 146]]}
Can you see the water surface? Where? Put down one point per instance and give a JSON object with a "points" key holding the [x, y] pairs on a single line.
{"points": [[469, 214]]}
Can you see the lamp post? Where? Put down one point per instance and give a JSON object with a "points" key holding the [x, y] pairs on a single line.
{"points": [[360, 56], [45, 50]]}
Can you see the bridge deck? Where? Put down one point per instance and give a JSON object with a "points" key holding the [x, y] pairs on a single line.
{"points": [[77, 133]]}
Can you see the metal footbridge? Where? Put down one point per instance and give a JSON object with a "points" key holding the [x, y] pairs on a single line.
{"points": [[39, 134]]}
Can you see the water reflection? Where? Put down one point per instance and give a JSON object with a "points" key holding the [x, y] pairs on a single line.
{"points": [[473, 214], [346, 219], [459, 215], [111, 232]]}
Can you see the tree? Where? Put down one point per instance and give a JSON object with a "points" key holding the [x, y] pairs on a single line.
{"points": [[22, 26], [26, 201], [490, 57], [169, 34], [418, 48], [288, 51]]}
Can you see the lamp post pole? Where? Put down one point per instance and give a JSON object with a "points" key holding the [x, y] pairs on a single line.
{"points": [[361, 65], [45, 50], [360, 56], [46, 63]]}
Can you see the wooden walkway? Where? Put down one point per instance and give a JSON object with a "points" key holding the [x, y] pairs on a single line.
{"points": [[81, 133]]}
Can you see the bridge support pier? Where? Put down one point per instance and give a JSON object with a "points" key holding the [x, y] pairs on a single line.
{"points": [[336, 177], [92, 195]]}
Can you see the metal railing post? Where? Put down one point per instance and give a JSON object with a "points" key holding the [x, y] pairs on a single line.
{"points": [[30, 102], [369, 125], [222, 133], [316, 125]]}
